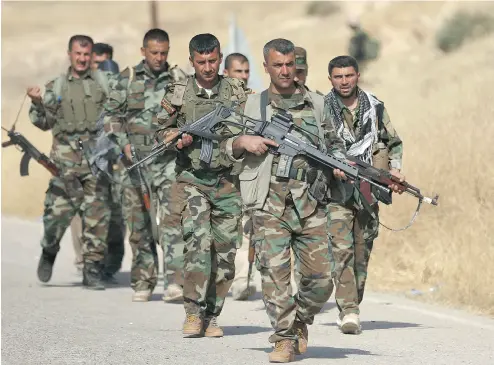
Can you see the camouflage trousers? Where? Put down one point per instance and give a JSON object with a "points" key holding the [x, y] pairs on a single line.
{"points": [[159, 176], [308, 238], [171, 235], [211, 222], [239, 284], [115, 240], [77, 192], [352, 233]]}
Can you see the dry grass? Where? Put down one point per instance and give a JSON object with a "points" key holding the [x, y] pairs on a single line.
{"points": [[438, 103]]}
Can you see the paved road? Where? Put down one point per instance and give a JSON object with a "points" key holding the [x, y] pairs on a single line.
{"points": [[61, 323]]}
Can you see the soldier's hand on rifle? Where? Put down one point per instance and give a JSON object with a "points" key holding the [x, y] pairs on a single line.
{"points": [[339, 174], [399, 178], [34, 92], [253, 144], [185, 141]]}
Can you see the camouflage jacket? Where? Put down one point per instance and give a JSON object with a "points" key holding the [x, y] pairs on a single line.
{"points": [[385, 132], [185, 102], [294, 191], [134, 101], [83, 99]]}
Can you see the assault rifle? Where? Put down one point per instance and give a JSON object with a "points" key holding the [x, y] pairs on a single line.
{"points": [[29, 151], [280, 129]]}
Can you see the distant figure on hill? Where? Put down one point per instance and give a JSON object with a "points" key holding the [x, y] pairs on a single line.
{"points": [[362, 47]]}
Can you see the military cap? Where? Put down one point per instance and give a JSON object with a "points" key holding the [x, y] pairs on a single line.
{"points": [[300, 58]]}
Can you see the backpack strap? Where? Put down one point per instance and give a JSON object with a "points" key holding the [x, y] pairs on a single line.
{"points": [[263, 100]]}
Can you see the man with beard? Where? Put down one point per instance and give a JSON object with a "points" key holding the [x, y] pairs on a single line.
{"points": [[362, 122], [133, 103], [287, 213], [211, 209], [70, 109]]}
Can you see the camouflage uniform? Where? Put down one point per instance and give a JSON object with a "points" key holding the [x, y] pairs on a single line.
{"points": [[211, 210], [71, 114], [291, 218], [352, 229], [131, 107], [116, 231]]}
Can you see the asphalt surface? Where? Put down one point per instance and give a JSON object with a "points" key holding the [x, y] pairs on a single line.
{"points": [[62, 323]]}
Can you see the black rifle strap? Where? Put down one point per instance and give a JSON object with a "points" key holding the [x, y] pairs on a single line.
{"points": [[264, 105]]}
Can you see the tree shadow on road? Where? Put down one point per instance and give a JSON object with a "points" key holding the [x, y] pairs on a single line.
{"points": [[319, 352], [243, 330], [381, 325]]}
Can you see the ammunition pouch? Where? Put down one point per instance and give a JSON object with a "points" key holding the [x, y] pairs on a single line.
{"points": [[293, 173], [318, 185]]}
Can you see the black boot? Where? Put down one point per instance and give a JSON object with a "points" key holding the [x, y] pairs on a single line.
{"points": [[92, 276], [45, 266]]}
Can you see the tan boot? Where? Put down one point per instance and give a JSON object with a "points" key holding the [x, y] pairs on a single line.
{"points": [[350, 324], [212, 329], [174, 293], [193, 326], [284, 351], [141, 296], [303, 337]]}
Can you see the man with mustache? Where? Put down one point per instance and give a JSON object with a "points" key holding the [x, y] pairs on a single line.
{"points": [[362, 122], [130, 110], [70, 108], [211, 209], [287, 212]]}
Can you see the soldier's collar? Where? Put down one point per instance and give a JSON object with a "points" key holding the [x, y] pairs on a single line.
{"points": [[340, 102], [85, 75], [303, 91], [200, 91], [142, 67]]}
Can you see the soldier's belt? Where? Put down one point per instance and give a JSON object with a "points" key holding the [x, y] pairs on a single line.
{"points": [[295, 174]]}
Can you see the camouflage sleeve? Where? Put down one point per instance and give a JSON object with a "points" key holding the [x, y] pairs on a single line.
{"points": [[116, 109], [334, 144], [40, 115], [388, 136]]}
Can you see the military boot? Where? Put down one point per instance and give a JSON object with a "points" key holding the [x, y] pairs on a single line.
{"points": [[284, 351], [212, 329], [92, 276], [303, 337], [173, 293], [193, 326], [45, 266]]}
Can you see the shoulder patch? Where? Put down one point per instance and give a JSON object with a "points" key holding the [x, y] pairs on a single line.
{"points": [[165, 104]]}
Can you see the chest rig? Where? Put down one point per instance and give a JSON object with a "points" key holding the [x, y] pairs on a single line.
{"points": [[203, 153], [144, 95], [78, 103]]}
